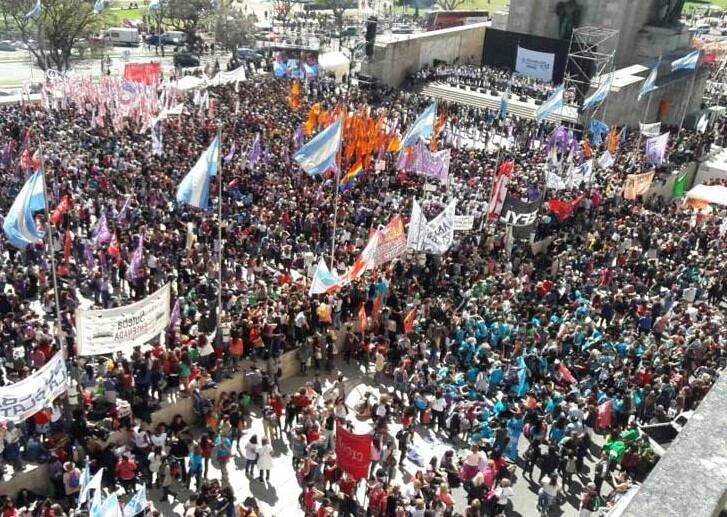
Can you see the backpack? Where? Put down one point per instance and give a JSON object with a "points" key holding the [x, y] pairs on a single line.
{"points": [[74, 479]]}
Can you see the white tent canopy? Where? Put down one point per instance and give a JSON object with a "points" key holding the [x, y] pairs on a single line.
{"points": [[335, 62], [233, 76], [716, 194]]}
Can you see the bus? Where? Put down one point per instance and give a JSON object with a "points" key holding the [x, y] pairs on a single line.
{"points": [[436, 20]]}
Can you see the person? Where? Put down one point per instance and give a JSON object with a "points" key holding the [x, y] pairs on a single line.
{"points": [[264, 459], [126, 473], [503, 494], [196, 461], [251, 448], [223, 451], [600, 471], [590, 501], [71, 480], [548, 493], [167, 478]]}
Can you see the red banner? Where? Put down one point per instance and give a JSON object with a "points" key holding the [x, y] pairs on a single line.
{"points": [[144, 73], [353, 452], [392, 241]]}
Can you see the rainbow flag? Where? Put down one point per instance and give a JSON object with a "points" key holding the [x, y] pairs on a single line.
{"points": [[348, 180]]}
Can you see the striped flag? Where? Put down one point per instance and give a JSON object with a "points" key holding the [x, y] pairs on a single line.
{"points": [[553, 104]]}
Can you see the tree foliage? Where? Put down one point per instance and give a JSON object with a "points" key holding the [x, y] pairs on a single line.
{"points": [[450, 5], [233, 29], [57, 28], [282, 10], [186, 15]]}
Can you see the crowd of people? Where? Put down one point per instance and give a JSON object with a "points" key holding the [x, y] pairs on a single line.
{"points": [[520, 360]]}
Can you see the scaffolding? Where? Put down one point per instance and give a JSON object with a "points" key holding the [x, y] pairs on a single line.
{"points": [[590, 57]]}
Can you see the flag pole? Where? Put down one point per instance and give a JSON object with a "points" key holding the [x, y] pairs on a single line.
{"points": [[52, 255], [219, 229], [648, 106], [335, 199]]}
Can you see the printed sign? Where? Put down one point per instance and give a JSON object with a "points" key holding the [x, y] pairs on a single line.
{"points": [[463, 223], [535, 64], [353, 452], [28, 396], [122, 328], [520, 215], [392, 241]]}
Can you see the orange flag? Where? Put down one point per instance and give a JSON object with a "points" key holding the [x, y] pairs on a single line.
{"points": [[376, 309], [362, 319], [613, 141], [394, 145], [61, 209], [409, 321], [587, 149]]}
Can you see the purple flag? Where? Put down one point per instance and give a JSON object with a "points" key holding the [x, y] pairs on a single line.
{"points": [[88, 253], [266, 154], [298, 138], [176, 312], [254, 154], [230, 154], [135, 265], [124, 212], [656, 148], [431, 165], [100, 233], [533, 193]]}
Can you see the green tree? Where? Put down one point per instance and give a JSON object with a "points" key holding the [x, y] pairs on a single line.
{"points": [[450, 5], [187, 16], [59, 26], [282, 10], [233, 29]]}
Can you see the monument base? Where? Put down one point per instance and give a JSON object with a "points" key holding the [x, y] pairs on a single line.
{"points": [[652, 41]]}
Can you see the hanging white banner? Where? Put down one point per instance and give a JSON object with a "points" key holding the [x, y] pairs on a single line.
{"points": [[463, 223], [535, 64], [650, 130], [122, 328], [37, 391]]}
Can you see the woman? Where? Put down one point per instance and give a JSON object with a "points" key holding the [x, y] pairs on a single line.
{"points": [[265, 459], [444, 496], [196, 459], [476, 489], [514, 429], [503, 494], [548, 493], [223, 446], [472, 463], [207, 446], [251, 455]]}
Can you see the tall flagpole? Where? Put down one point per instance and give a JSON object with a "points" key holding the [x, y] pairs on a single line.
{"points": [[219, 229], [335, 198], [52, 256], [648, 107]]}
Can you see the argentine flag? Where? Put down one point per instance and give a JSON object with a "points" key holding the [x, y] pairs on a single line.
{"points": [[35, 11], [599, 95], [319, 155], [154, 5], [422, 127], [650, 83], [99, 6], [19, 224], [688, 62], [504, 104], [194, 189], [553, 104], [137, 504]]}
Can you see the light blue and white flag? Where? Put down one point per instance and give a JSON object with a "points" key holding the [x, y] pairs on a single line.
{"points": [[656, 149], [688, 62], [110, 508], [35, 11], [553, 104], [598, 129], [154, 5], [99, 6], [19, 225], [422, 127], [136, 504], [319, 155], [504, 104], [157, 142], [96, 505], [194, 189], [599, 95], [85, 478], [650, 83], [92, 484]]}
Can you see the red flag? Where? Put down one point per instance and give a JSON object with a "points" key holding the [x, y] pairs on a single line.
{"points": [[564, 209], [497, 199], [506, 168], [376, 309], [353, 452], [362, 319], [603, 418], [565, 373], [114, 247], [61, 209], [409, 321]]}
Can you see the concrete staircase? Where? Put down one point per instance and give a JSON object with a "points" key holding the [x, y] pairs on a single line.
{"points": [[478, 99]]}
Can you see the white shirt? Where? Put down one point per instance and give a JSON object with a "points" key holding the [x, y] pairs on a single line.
{"points": [[159, 440], [439, 404]]}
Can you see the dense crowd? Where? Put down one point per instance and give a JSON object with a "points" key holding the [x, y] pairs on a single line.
{"points": [[617, 324]]}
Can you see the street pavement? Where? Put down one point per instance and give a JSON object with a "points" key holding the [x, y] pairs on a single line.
{"points": [[280, 496]]}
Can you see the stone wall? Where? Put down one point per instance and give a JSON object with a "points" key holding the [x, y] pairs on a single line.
{"points": [[627, 16], [394, 61]]}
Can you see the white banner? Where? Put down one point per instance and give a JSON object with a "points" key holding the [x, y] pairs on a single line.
{"points": [[440, 231], [463, 223], [122, 328], [534, 64], [28, 396], [650, 129]]}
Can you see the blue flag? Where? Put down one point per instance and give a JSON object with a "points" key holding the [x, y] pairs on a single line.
{"points": [[319, 155], [99, 6], [504, 105], [154, 5], [35, 11], [422, 127], [688, 62], [599, 95], [194, 189], [19, 225], [650, 83], [254, 154], [598, 129], [553, 104], [137, 504]]}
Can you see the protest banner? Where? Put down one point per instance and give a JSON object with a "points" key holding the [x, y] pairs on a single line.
{"points": [[439, 233], [122, 328], [392, 241], [353, 452], [637, 184], [143, 73], [520, 215], [463, 223], [26, 397]]}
